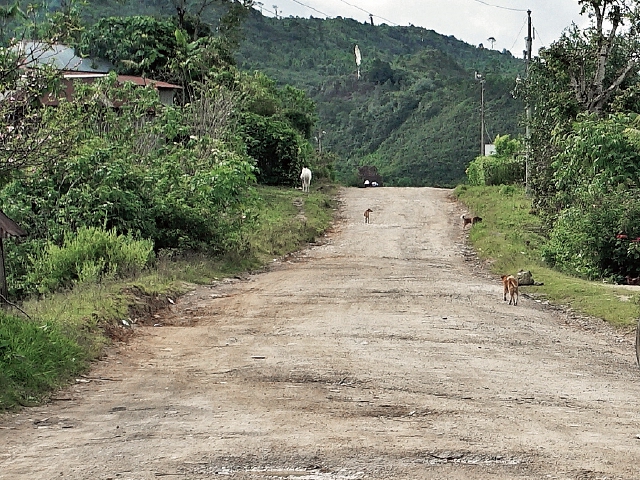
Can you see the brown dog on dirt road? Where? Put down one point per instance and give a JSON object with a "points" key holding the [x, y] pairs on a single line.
{"points": [[510, 284], [366, 215]]}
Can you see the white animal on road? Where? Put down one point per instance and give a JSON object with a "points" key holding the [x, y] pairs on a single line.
{"points": [[305, 176]]}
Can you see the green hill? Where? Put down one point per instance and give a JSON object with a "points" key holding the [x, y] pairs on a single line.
{"points": [[415, 111]]}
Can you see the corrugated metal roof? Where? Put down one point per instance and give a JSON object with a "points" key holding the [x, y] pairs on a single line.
{"points": [[73, 75], [61, 57]]}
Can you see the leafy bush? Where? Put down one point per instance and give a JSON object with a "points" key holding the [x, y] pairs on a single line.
{"points": [[494, 170], [89, 255], [596, 216], [100, 186], [596, 238], [503, 168], [276, 148], [192, 194]]}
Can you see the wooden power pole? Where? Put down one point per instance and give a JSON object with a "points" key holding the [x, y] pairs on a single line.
{"points": [[482, 148], [527, 57]]}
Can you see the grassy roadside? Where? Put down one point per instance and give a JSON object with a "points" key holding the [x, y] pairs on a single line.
{"points": [[510, 239], [68, 330]]}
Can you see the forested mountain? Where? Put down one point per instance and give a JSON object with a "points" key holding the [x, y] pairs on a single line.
{"points": [[414, 112]]}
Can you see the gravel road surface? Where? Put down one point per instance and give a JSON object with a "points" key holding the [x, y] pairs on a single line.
{"points": [[383, 352]]}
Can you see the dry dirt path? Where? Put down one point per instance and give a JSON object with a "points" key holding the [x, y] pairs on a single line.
{"points": [[377, 355]]}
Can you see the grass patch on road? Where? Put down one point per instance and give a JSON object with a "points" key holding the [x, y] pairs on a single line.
{"points": [[510, 239], [67, 330]]}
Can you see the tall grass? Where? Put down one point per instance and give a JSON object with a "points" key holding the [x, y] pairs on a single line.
{"points": [[35, 358], [510, 239], [289, 219]]}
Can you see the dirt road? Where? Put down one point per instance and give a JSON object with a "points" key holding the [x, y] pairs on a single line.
{"points": [[379, 354]]}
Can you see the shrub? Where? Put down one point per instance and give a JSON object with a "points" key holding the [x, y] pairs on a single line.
{"points": [[503, 168], [494, 170], [89, 255], [276, 147], [596, 237]]}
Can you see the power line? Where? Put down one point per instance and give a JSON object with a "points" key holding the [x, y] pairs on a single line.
{"points": [[369, 12], [499, 6], [518, 36], [261, 7], [311, 8]]}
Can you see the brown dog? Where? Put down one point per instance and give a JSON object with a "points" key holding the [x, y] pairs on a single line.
{"points": [[366, 215], [510, 284], [632, 280], [469, 220]]}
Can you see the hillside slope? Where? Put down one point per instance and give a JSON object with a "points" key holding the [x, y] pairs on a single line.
{"points": [[414, 112]]}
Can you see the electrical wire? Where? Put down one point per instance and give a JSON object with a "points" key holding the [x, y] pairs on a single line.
{"points": [[518, 36], [537, 34], [499, 6], [369, 12], [267, 10], [311, 8]]}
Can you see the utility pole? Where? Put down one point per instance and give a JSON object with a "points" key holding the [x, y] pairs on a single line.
{"points": [[482, 80], [482, 117], [527, 161], [319, 140]]}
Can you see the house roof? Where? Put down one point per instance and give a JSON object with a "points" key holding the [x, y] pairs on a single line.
{"points": [[60, 57], [140, 81], [74, 75], [9, 228], [143, 82]]}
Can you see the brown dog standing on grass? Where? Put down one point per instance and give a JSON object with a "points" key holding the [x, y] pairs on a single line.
{"points": [[469, 220], [366, 215], [510, 284]]}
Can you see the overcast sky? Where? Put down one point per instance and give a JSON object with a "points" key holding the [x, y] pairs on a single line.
{"points": [[472, 21]]}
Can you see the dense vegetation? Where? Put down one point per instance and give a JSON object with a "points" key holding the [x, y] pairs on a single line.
{"points": [[113, 157], [584, 152], [108, 182], [414, 113], [503, 167]]}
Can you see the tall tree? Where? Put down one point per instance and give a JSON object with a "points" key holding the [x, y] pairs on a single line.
{"points": [[9, 14], [606, 56], [586, 71], [190, 14]]}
